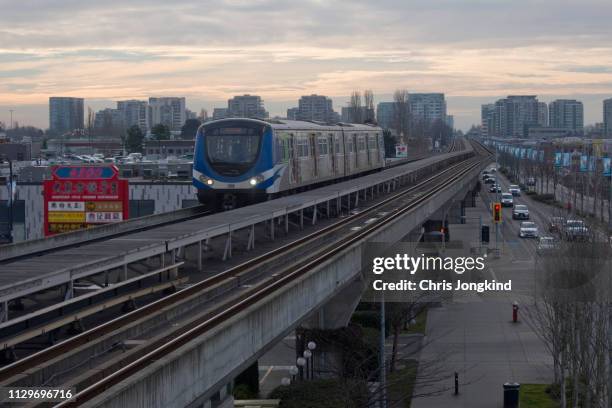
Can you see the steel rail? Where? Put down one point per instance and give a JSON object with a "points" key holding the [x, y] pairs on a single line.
{"points": [[259, 292], [94, 333]]}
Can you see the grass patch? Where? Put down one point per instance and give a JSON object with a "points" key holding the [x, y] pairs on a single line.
{"points": [[537, 396], [401, 384], [420, 326]]}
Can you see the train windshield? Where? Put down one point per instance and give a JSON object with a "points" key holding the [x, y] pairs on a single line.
{"points": [[232, 150]]}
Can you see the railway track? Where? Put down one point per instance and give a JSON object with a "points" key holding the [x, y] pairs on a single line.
{"points": [[52, 318], [135, 362], [14, 252]]}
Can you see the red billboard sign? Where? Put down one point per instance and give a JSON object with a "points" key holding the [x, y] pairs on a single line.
{"points": [[81, 196]]}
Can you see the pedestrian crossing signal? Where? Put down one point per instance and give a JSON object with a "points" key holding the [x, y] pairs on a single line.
{"points": [[497, 212]]}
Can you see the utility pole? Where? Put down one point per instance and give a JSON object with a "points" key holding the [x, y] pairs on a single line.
{"points": [[497, 200], [383, 373]]}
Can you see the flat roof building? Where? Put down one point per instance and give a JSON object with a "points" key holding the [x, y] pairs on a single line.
{"points": [[65, 114]]}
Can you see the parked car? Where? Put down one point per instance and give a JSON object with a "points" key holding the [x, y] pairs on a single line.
{"points": [[528, 229], [520, 212], [575, 230], [514, 190], [507, 200], [556, 224], [546, 244]]}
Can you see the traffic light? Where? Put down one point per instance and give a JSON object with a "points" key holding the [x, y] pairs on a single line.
{"points": [[497, 212]]}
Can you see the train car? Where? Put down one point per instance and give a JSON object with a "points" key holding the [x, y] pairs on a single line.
{"points": [[240, 161]]}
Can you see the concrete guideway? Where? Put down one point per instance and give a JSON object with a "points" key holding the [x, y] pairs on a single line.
{"points": [[203, 365], [30, 275]]}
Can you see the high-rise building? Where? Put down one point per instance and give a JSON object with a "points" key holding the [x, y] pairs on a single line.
{"points": [[292, 113], [514, 115], [108, 119], [450, 121], [135, 113], [246, 106], [567, 114], [219, 113], [543, 117], [385, 114], [65, 114], [607, 117], [487, 120], [169, 111], [316, 107], [427, 106]]}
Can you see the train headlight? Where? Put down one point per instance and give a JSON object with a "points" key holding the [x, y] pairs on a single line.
{"points": [[253, 181], [207, 181]]}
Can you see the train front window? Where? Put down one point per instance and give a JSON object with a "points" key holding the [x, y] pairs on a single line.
{"points": [[232, 150]]}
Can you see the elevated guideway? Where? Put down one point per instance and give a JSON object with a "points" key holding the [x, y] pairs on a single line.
{"points": [[187, 367], [26, 275]]}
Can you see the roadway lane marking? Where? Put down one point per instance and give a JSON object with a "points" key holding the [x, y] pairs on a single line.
{"points": [[263, 379]]}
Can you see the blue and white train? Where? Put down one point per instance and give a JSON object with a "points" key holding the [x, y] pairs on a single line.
{"points": [[240, 161]]}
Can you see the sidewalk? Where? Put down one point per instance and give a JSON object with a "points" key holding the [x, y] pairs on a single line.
{"points": [[476, 333]]}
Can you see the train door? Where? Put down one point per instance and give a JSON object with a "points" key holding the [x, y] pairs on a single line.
{"points": [[314, 155], [332, 154], [356, 150], [295, 167], [367, 147], [345, 153], [376, 149]]}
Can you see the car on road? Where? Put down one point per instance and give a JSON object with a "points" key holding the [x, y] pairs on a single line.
{"points": [[495, 188], [556, 224], [528, 229], [490, 180], [514, 190], [507, 200], [546, 244], [531, 181], [520, 212], [485, 175], [575, 230]]}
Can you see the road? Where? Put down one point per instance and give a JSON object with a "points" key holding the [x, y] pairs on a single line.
{"points": [[474, 332]]}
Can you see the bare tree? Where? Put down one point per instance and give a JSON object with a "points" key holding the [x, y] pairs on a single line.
{"points": [[368, 97], [401, 112], [355, 108], [571, 315]]}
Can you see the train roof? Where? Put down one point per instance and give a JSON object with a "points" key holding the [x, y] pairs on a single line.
{"points": [[286, 124]]}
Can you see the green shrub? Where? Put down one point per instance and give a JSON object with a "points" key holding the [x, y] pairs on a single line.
{"points": [[244, 392], [328, 393]]}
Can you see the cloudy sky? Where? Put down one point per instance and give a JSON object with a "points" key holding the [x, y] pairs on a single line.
{"points": [[472, 50]]}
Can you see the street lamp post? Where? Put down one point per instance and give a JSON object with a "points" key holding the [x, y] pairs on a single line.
{"points": [[301, 362], [293, 371], [307, 356], [311, 347]]}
